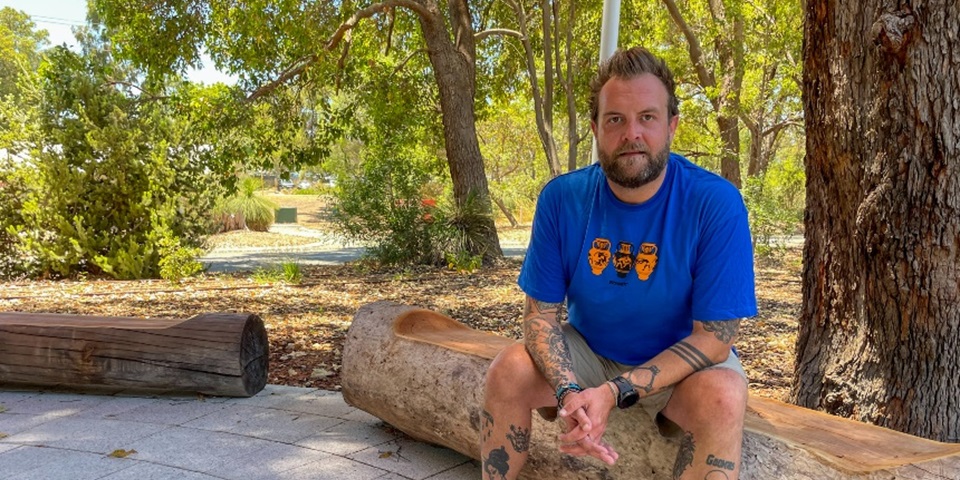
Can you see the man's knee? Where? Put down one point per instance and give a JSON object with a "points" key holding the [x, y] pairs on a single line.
{"points": [[513, 374], [717, 396]]}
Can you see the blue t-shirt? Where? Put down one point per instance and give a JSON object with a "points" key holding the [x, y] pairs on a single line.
{"points": [[636, 276]]}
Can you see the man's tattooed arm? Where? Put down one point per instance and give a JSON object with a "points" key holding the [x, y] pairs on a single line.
{"points": [[545, 341], [708, 345]]}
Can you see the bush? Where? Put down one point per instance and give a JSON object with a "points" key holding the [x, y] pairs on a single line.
{"points": [[14, 260], [112, 177], [246, 208]]}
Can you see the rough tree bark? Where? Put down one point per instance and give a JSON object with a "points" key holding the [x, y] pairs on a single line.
{"points": [[880, 335], [453, 58]]}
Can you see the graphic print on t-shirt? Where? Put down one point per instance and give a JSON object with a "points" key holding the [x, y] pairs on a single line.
{"points": [[624, 260], [599, 255]]}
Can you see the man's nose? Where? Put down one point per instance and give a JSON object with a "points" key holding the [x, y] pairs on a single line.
{"points": [[634, 130]]}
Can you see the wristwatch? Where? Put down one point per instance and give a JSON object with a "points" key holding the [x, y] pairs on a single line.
{"points": [[626, 395]]}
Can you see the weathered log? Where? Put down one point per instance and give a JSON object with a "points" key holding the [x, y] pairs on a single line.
{"points": [[423, 373], [214, 354]]}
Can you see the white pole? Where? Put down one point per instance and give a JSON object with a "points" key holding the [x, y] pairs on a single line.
{"points": [[609, 32]]}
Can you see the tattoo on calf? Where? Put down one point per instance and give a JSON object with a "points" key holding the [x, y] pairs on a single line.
{"points": [[716, 475], [720, 463], [725, 331], [690, 354], [486, 430], [684, 455], [519, 438], [496, 465]]}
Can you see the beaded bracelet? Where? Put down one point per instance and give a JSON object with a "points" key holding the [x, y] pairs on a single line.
{"points": [[564, 389]]}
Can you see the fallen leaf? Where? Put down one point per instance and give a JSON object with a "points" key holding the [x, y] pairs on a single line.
{"points": [[119, 453]]}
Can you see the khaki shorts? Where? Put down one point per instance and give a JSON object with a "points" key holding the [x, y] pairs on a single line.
{"points": [[593, 370]]}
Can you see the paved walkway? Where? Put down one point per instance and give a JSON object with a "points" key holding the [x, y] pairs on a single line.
{"points": [[281, 433], [326, 250]]}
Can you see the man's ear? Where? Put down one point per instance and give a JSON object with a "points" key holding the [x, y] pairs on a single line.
{"points": [[593, 127], [674, 121]]}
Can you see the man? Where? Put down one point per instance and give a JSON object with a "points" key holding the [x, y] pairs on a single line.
{"points": [[652, 255]]}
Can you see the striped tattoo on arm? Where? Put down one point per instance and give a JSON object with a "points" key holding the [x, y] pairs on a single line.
{"points": [[695, 358]]}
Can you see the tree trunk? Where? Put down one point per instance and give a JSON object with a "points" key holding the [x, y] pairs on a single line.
{"points": [[542, 102], [880, 335], [423, 373], [455, 71], [214, 354], [506, 212]]}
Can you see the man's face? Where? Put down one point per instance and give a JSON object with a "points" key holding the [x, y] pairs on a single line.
{"points": [[633, 130]]}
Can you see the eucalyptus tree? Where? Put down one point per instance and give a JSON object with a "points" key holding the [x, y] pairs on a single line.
{"points": [[735, 61], [880, 330], [21, 43], [272, 45], [547, 52]]}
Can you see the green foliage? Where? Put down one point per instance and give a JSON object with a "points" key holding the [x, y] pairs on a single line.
{"points": [[253, 211], [14, 261], [464, 262], [287, 272], [775, 202], [20, 47], [115, 178], [178, 262]]}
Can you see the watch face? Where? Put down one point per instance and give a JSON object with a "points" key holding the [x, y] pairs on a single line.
{"points": [[629, 399]]}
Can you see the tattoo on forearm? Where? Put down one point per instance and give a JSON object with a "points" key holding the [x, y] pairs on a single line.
{"points": [[555, 362], [496, 465], [486, 430], [690, 354], [684, 455], [648, 386], [725, 331], [519, 438]]}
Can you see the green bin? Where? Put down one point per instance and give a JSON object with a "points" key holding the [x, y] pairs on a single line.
{"points": [[286, 215]]}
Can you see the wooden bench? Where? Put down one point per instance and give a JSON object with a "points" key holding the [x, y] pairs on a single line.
{"points": [[214, 354], [422, 372]]}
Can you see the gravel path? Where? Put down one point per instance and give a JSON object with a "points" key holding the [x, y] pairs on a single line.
{"points": [[328, 249]]}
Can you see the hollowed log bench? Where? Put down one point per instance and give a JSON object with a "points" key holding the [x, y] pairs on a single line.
{"points": [[221, 354], [423, 373]]}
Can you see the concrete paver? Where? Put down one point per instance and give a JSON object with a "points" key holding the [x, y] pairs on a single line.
{"points": [[283, 433]]}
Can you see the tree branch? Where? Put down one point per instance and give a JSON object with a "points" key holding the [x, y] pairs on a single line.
{"points": [[497, 31], [294, 70], [693, 46], [371, 11]]}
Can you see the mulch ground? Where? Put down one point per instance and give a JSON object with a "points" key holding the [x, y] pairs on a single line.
{"points": [[307, 323]]}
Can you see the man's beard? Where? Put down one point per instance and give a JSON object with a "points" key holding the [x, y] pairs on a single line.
{"points": [[616, 169]]}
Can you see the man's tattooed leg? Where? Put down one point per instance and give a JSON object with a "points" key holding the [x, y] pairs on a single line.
{"points": [[519, 438], [684, 455], [496, 465]]}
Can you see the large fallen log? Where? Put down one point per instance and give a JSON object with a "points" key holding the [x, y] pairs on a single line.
{"points": [[423, 373], [214, 354]]}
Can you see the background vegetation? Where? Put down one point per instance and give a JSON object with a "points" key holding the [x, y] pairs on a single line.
{"points": [[111, 163]]}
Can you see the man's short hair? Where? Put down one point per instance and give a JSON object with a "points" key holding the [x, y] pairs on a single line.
{"points": [[629, 64]]}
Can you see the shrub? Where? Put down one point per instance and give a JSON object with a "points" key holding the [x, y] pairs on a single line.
{"points": [[15, 262], [246, 208], [111, 176]]}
